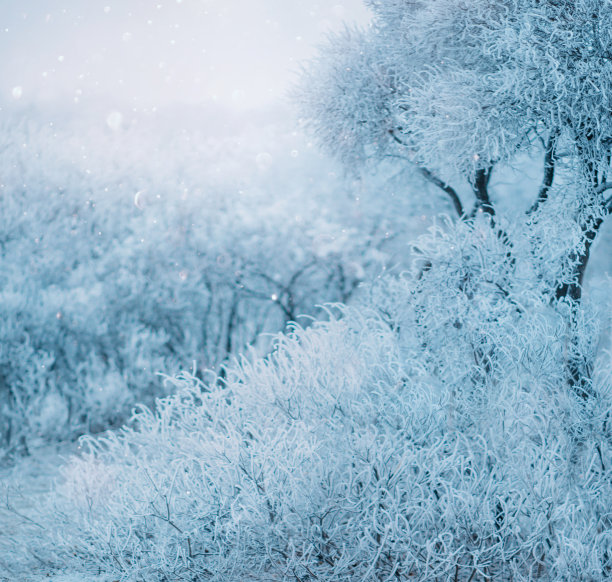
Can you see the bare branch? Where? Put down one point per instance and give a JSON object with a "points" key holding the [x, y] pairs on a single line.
{"points": [[431, 177], [549, 170], [480, 186], [603, 187]]}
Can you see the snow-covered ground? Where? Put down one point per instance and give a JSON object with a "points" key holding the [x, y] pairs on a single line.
{"points": [[24, 537]]}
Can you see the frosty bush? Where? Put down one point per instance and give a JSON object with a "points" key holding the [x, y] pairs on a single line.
{"points": [[430, 436], [124, 255]]}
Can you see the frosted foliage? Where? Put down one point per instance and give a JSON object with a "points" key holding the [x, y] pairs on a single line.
{"points": [[554, 237], [563, 49], [113, 269], [353, 128], [467, 83], [338, 458], [456, 120], [429, 436], [479, 316], [451, 423], [470, 88]]}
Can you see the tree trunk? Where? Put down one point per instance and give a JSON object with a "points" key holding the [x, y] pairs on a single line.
{"points": [[578, 364], [573, 290]]}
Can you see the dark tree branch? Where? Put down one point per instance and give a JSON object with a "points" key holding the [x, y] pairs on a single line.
{"points": [[590, 227], [603, 187], [578, 365], [573, 290], [431, 177], [549, 170], [608, 161], [480, 186], [427, 174]]}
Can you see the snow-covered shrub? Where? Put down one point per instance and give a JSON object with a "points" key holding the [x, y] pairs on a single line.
{"points": [[429, 436], [148, 249]]}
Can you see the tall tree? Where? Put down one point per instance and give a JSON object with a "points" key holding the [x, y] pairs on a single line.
{"points": [[459, 88]]}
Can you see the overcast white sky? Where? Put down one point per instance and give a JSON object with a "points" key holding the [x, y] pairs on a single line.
{"points": [[153, 53]]}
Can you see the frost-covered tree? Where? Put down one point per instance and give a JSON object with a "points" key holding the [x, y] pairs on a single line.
{"points": [[460, 88]]}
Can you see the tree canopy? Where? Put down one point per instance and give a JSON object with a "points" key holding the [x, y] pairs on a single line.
{"points": [[468, 85]]}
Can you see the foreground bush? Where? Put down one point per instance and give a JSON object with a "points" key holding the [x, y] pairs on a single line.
{"points": [[388, 443]]}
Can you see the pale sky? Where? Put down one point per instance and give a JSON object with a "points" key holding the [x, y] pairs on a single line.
{"points": [[152, 53]]}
